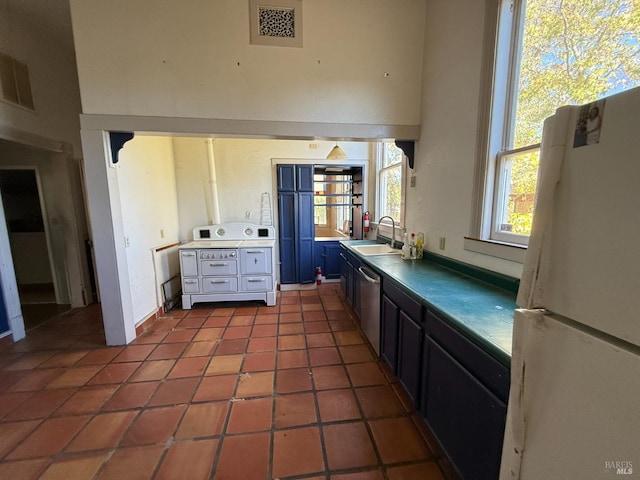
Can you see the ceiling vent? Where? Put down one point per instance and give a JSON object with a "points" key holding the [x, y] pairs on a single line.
{"points": [[15, 84], [276, 22]]}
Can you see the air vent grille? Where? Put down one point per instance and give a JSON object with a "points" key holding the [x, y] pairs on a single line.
{"points": [[277, 22], [15, 82]]}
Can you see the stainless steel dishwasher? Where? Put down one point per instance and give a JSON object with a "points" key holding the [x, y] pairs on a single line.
{"points": [[370, 306]]}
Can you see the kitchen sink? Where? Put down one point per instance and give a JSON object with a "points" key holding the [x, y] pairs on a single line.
{"points": [[377, 249]]}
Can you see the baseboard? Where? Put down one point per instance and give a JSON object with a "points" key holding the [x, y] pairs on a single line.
{"points": [[150, 320]]}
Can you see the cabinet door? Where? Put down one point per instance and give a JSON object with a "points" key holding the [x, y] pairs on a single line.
{"points": [[305, 238], [287, 202], [410, 356], [189, 263], [466, 418], [4, 319], [304, 178], [389, 333], [286, 178], [331, 259], [343, 271], [255, 260]]}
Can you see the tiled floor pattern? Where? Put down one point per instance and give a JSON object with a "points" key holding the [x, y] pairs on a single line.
{"points": [[222, 392]]}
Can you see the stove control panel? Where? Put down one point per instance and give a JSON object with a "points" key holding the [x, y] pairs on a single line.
{"points": [[234, 231], [218, 254]]}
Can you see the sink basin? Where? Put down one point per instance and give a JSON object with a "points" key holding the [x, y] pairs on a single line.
{"points": [[377, 249]]}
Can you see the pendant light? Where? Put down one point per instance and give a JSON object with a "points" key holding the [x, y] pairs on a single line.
{"points": [[336, 153]]}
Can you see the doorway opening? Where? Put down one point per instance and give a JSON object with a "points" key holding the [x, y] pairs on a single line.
{"points": [[30, 243]]}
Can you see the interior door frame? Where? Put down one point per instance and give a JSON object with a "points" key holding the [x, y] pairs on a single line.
{"points": [[7, 272], [45, 221]]}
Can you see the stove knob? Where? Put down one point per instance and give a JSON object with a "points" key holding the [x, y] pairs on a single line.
{"points": [[232, 254]]}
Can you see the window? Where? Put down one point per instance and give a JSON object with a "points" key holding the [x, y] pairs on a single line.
{"points": [[390, 182], [557, 52], [332, 202]]}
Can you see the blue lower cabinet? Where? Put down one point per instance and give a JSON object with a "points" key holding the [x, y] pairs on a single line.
{"points": [[466, 418], [389, 327], [410, 355], [4, 316], [329, 259]]}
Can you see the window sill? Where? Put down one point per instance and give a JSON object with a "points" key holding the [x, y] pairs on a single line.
{"points": [[506, 251]]}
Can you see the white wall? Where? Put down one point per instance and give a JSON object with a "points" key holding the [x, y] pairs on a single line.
{"points": [[27, 34], [146, 177], [441, 202], [30, 258], [52, 67], [244, 172], [193, 59]]}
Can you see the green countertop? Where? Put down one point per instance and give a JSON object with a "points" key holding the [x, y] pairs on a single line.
{"points": [[477, 308]]}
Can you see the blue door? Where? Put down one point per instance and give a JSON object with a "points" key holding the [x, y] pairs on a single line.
{"points": [[287, 215], [306, 238], [297, 230]]}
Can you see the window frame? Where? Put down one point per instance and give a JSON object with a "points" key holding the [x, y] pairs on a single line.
{"points": [[503, 46], [380, 169]]}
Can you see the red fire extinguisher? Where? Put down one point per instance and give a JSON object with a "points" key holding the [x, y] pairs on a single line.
{"points": [[366, 219], [318, 276]]}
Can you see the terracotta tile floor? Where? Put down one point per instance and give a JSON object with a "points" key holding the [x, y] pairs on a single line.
{"points": [[220, 392]]}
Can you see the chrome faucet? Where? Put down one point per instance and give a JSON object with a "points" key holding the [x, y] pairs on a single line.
{"points": [[393, 230]]}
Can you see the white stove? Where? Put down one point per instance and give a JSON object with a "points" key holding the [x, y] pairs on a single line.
{"points": [[229, 262]]}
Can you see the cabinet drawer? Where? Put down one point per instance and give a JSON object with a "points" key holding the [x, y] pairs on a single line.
{"points": [[190, 285], [493, 374], [219, 285], [257, 284], [219, 267], [406, 303]]}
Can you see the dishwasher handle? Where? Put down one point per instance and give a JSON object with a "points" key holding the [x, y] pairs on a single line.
{"points": [[367, 277]]}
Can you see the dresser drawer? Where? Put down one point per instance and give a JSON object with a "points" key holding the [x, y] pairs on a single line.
{"points": [[219, 267], [190, 285], [219, 285], [257, 283]]}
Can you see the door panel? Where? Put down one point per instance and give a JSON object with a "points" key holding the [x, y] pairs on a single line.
{"points": [[306, 238], [286, 178], [305, 178], [286, 216]]}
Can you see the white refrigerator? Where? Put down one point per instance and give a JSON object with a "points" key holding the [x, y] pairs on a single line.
{"points": [[574, 404]]}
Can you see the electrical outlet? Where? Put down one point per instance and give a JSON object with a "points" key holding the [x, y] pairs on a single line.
{"points": [[247, 214], [127, 243], [442, 242], [161, 233]]}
